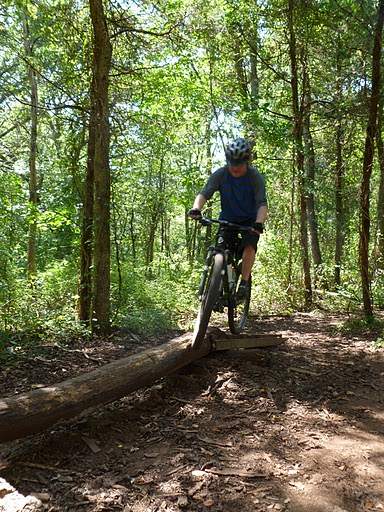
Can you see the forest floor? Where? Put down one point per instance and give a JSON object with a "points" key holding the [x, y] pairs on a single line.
{"points": [[299, 428]]}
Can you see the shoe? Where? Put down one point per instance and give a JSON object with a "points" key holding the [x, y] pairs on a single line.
{"points": [[243, 290]]}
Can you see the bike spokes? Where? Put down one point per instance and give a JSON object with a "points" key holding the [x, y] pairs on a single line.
{"points": [[238, 309], [211, 290]]}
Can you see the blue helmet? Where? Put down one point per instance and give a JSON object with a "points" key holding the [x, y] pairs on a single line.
{"points": [[238, 151]]}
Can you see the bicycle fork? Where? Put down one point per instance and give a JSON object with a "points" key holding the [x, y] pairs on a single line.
{"points": [[204, 274], [212, 251]]}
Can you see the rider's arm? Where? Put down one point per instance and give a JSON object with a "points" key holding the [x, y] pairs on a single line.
{"points": [[262, 214], [261, 199], [212, 185], [199, 202]]}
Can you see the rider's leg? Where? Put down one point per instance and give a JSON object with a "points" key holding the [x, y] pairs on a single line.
{"points": [[249, 254]]}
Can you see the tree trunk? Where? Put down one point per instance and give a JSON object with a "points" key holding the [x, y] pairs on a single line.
{"points": [[379, 239], [78, 142], [246, 82], [189, 225], [116, 241], [151, 236], [339, 170], [254, 129], [162, 233], [242, 81], [254, 76], [339, 179], [86, 243], [39, 409], [194, 237], [165, 223], [208, 211], [102, 55], [132, 234], [310, 165], [291, 221], [298, 141], [367, 165], [167, 241], [33, 194]]}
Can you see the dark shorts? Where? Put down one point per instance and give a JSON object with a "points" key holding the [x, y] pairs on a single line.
{"points": [[236, 240]]}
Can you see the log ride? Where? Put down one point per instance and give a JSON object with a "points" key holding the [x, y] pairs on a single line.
{"points": [[34, 411]]}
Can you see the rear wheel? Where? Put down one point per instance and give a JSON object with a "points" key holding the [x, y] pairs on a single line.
{"points": [[238, 309], [210, 294]]}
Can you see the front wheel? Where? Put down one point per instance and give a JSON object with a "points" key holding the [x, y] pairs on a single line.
{"points": [[238, 309], [210, 294]]}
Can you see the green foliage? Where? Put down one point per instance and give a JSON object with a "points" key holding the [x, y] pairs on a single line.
{"points": [[271, 290], [174, 99], [359, 325], [158, 298], [378, 288], [379, 342], [45, 310]]}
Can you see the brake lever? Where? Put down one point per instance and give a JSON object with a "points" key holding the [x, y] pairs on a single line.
{"points": [[204, 221]]}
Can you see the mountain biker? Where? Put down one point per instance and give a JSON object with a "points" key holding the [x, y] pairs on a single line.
{"points": [[243, 201]]}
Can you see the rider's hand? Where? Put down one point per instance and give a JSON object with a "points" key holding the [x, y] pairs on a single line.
{"points": [[258, 228], [195, 214]]}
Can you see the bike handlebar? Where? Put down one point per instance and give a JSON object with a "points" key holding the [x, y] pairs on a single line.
{"points": [[205, 221]]}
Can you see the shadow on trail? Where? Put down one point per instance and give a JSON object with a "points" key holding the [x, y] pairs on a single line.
{"points": [[305, 417]]}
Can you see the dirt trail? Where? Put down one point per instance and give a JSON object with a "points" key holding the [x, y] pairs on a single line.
{"points": [[297, 428]]}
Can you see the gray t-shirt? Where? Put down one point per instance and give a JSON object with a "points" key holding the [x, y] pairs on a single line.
{"points": [[240, 197]]}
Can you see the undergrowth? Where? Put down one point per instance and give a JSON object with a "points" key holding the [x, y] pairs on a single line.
{"points": [[360, 325], [379, 342], [156, 299]]}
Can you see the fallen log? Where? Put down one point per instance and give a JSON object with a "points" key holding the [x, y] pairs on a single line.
{"points": [[32, 412], [37, 410]]}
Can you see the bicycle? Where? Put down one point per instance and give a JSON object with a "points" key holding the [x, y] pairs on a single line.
{"points": [[220, 281]]}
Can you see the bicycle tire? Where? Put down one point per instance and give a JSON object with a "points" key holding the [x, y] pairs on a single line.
{"points": [[209, 298], [237, 320]]}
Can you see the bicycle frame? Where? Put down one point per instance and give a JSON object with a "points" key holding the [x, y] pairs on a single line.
{"points": [[229, 257], [215, 290]]}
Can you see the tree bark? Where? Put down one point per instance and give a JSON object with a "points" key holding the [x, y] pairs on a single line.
{"points": [[37, 410], [154, 220], [167, 235], [291, 221], [339, 207], [242, 81], [132, 234], [102, 55], [339, 170], [254, 75], [367, 165], [33, 192], [208, 210], [310, 164], [86, 243], [379, 239], [117, 241], [298, 141], [188, 234]]}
